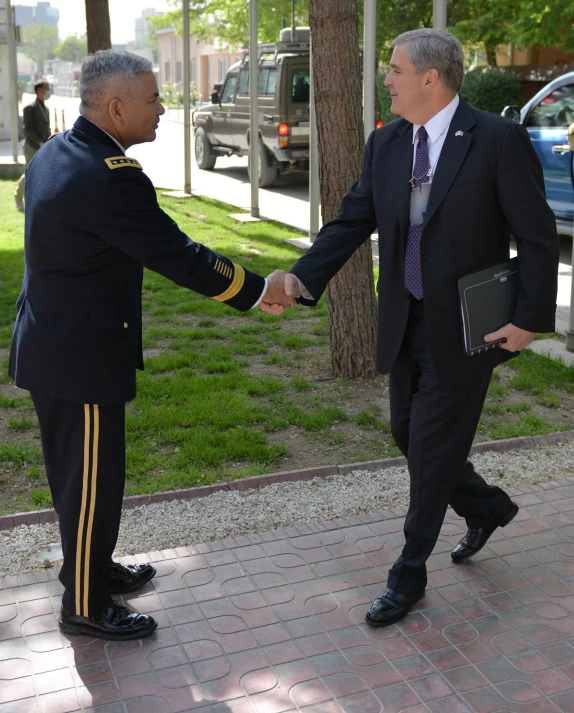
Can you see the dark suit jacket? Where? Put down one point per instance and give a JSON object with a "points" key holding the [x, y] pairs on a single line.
{"points": [[92, 222], [488, 183], [36, 124]]}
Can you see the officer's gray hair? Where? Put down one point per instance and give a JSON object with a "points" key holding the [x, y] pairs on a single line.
{"points": [[104, 67], [435, 49]]}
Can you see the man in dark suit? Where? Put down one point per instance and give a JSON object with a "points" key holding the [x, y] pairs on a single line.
{"points": [[92, 224], [485, 184], [37, 132]]}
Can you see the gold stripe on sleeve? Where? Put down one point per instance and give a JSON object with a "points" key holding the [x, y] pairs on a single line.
{"points": [[235, 286], [92, 508], [80, 538]]}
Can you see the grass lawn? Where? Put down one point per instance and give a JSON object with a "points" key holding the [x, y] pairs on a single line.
{"points": [[226, 395]]}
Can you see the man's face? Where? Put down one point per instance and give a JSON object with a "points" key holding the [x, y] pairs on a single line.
{"points": [[42, 91], [406, 87], [141, 111]]}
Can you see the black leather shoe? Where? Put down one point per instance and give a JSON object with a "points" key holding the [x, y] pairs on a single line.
{"points": [[122, 579], [116, 623], [476, 538], [391, 606]]}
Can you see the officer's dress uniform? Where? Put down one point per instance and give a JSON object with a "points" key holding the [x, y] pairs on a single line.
{"points": [[92, 224]]}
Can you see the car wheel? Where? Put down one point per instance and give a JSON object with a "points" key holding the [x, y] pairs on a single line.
{"points": [[268, 167], [203, 153]]}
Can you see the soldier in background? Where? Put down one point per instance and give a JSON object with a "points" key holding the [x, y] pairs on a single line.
{"points": [[36, 132]]}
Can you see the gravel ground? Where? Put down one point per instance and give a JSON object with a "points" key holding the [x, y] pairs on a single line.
{"points": [[224, 514]]}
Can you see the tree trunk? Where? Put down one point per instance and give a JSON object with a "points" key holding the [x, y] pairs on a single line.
{"points": [[490, 55], [98, 25], [337, 79]]}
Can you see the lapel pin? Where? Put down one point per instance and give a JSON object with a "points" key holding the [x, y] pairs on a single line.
{"points": [[459, 133]]}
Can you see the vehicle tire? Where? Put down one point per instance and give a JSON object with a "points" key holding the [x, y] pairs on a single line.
{"points": [[268, 167], [204, 155]]}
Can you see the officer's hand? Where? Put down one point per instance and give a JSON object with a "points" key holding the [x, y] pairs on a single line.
{"points": [[282, 292], [516, 338]]}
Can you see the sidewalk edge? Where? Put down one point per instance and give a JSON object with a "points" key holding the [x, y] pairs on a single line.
{"points": [[44, 517]]}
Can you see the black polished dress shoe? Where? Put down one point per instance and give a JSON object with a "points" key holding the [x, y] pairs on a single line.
{"points": [[391, 606], [122, 579], [116, 623], [476, 538]]}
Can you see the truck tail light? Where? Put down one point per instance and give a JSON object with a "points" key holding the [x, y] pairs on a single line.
{"points": [[283, 135]]}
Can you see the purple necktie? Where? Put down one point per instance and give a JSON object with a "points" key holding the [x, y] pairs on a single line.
{"points": [[413, 274]]}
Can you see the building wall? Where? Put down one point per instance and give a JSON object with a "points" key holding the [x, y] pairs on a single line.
{"points": [[43, 13], [208, 63], [538, 56]]}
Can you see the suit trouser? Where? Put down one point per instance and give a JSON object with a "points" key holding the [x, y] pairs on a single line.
{"points": [[435, 430], [84, 453], [29, 153]]}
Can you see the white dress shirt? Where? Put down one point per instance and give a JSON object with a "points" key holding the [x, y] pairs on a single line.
{"points": [[437, 128]]}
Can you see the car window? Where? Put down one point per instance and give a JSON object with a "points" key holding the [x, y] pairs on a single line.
{"points": [[267, 81], [300, 87], [555, 110], [228, 93], [244, 82]]}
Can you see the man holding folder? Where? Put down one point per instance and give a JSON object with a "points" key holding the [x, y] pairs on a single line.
{"points": [[445, 185]]}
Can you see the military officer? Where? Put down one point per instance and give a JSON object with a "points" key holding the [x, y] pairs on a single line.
{"points": [[92, 224]]}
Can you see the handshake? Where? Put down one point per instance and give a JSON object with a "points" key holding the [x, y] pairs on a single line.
{"points": [[281, 293]]}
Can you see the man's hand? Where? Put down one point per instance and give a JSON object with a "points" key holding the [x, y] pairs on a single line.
{"points": [[282, 292], [516, 338]]}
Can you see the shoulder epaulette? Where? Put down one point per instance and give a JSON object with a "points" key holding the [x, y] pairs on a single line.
{"points": [[123, 162]]}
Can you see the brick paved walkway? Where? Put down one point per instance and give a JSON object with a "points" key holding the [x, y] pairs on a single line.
{"points": [[274, 622]]}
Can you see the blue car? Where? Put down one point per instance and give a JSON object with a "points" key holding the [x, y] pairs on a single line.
{"points": [[547, 117]]}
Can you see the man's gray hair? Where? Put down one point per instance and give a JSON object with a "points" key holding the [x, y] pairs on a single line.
{"points": [[106, 67], [435, 49]]}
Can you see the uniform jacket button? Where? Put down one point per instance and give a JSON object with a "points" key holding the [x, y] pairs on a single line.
{"points": [[125, 325]]}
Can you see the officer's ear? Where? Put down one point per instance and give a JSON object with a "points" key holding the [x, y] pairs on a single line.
{"points": [[116, 111]]}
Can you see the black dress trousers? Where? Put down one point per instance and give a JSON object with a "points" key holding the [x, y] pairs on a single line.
{"points": [[435, 430], [84, 453]]}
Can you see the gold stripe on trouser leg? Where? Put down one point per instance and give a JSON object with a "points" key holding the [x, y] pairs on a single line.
{"points": [[80, 539], [92, 507]]}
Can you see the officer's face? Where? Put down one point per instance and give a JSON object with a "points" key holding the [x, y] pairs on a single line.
{"points": [[141, 112], [407, 88]]}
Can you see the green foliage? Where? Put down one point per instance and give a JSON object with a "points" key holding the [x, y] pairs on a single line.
{"points": [[39, 42], [21, 424], [41, 498], [72, 49], [228, 20], [301, 384], [16, 456], [490, 90]]}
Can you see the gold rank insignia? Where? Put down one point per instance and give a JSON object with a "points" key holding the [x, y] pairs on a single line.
{"points": [[237, 277], [123, 162]]}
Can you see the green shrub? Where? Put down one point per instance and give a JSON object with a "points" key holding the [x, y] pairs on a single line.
{"points": [[491, 90]]}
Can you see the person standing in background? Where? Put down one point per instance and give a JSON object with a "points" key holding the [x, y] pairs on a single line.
{"points": [[36, 132]]}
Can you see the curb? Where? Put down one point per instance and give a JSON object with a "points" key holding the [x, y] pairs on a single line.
{"points": [[44, 517]]}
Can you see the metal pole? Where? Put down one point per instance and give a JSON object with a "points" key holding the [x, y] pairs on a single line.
{"points": [[13, 71], [314, 186], [369, 60], [186, 99], [439, 14], [253, 109]]}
